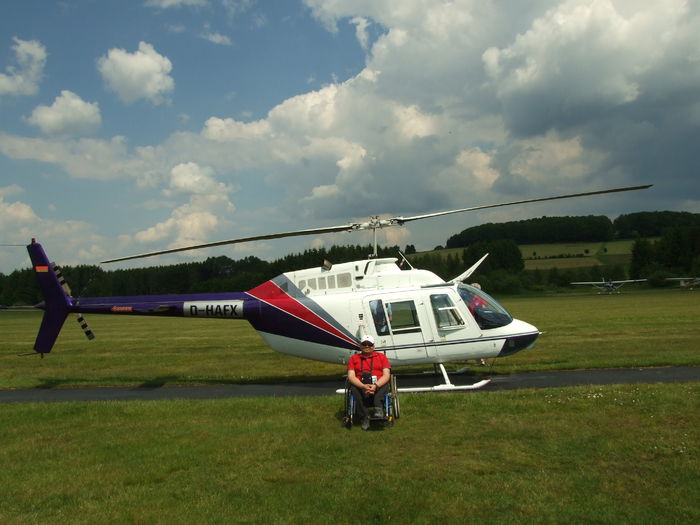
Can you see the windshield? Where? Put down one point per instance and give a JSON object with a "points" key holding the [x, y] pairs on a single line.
{"points": [[485, 309]]}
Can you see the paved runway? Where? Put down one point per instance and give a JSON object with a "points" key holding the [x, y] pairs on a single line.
{"points": [[547, 379]]}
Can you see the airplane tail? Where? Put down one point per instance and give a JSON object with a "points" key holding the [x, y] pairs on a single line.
{"points": [[56, 304]]}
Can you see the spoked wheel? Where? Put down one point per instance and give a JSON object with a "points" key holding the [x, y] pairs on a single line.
{"points": [[349, 408], [395, 405]]}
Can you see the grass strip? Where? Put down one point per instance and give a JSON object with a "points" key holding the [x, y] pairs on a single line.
{"points": [[614, 454]]}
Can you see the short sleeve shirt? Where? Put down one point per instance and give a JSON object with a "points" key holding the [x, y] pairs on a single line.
{"points": [[376, 361]]}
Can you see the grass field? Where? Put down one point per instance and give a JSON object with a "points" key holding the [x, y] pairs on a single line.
{"points": [[546, 256], [616, 454], [579, 455]]}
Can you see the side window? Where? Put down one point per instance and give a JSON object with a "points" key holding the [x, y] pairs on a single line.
{"points": [[379, 317], [403, 317], [446, 315]]}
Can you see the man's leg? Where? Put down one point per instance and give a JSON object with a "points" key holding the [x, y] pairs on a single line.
{"points": [[379, 396], [360, 407]]}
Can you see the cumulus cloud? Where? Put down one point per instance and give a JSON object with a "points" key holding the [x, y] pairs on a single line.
{"points": [[361, 25], [166, 4], [229, 129], [23, 79], [12, 189], [190, 178], [581, 58], [189, 224], [144, 74], [69, 114], [206, 211], [78, 242], [217, 38], [15, 214]]}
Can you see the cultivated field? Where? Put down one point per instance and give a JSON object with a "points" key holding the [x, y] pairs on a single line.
{"points": [[617, 454], [564, 255]]}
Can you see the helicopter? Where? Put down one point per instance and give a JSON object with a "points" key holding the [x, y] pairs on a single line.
{"points": [[415, 317], [609, 286]]}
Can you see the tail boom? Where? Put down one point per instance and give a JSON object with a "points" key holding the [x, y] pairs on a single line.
{"points": [[58, 303]]}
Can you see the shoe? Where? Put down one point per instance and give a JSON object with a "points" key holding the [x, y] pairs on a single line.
{"points": [[379, 412], [365, 423]]}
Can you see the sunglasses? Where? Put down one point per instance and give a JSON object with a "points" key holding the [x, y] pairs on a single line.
{"points": [[367, 343]]}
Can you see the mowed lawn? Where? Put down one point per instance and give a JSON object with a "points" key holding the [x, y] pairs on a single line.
{"points": [[599, 454], [618, 454]]}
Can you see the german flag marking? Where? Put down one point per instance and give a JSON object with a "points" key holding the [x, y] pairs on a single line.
{"points": [[41, 268]]}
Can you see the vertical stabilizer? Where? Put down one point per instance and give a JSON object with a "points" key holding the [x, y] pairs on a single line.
{"points": [[56, 303]]}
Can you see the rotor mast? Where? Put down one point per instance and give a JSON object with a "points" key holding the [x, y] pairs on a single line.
{"points": [[374, 224]]}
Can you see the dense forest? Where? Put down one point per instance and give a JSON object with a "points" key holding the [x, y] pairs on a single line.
{"points": [[538, 231], [598, 228], [674, 252]]}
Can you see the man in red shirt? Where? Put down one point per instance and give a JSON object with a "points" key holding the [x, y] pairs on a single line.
{"points": [[369, 373]]}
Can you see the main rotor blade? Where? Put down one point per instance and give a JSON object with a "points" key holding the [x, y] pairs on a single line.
{"points": [[312, 231], [401, 220], [372, 224]]}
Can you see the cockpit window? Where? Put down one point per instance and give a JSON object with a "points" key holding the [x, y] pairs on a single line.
{"points": [[485, 309], [446, 314]]}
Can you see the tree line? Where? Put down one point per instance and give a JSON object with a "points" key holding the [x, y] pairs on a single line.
{"points": [[538, 231], [588, 228]]}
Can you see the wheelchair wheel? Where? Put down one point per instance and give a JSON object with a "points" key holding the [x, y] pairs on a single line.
{"points": [[394, 395], [349, 408]]}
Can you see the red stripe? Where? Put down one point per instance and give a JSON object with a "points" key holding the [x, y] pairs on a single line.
{"points": [[41, 268], [273, 295]]}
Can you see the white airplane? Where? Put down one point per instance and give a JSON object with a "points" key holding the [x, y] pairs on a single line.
{"points": [[609, 286], [321, 313], [686, 282]]}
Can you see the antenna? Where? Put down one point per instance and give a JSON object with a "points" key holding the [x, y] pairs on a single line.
{"points": [[405, 260]]}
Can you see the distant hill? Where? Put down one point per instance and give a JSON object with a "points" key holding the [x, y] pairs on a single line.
{"points": [[577, 229], [653, 223]]}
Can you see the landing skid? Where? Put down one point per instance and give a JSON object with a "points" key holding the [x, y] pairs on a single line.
{"points": [[447, 386]]}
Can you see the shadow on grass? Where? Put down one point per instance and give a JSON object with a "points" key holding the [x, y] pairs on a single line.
{"points": [[375, 426], [174, 380], [178, 380]]}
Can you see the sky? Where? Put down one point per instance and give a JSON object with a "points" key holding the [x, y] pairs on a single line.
{"points": [[136, 126]]}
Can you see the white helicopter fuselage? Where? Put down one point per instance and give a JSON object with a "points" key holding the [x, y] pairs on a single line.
{"points": [[414, 316]]}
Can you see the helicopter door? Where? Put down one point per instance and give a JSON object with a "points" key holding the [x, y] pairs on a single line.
{"points": [[450, 326], [399, 325]]}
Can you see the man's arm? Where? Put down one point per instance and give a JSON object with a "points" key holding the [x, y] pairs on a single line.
{"points": [[386, 376], [354, 380]]}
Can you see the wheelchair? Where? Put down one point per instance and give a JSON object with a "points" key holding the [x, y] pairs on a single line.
{"points": [[391, 406]]}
